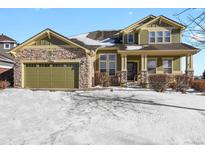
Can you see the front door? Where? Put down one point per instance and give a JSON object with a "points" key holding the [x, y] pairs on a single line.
{"points": [[131, 70]]}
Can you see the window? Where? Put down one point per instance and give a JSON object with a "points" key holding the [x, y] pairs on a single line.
{"points": [[160, 37], [152, 37], [130, 38], [167, 36], [107, 63], [7, 46], [151, 66], [167, 66]]}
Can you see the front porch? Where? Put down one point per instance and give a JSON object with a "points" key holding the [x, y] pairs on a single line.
{"points": [[136, 68], [120, 67]]}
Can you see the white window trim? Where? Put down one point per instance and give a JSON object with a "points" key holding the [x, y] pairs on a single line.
{"points": [[163, 37], [107, 62], [168, 58], [128, 37], [154, 36], [155, 59], [7, 44]]}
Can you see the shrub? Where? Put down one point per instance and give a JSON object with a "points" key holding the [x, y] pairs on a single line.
{"points": [[97, 78], [159, 82], [183, 82], [102, 79], [198, 85], [4, 84], [173, 85]]}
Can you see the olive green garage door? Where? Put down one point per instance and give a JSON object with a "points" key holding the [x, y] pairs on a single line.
{"points": [[54, 75]]}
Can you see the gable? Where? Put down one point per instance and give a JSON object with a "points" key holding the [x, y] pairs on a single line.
{"points": [[162, 21], [48, 37], [159, 23], [138, 23], [49, 41]]}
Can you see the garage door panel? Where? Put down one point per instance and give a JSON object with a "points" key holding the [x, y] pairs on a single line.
{"points": [[52, 76], [30, 76]]}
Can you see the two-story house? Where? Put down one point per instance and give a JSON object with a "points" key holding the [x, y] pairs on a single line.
{"points": [[152, 45], [6, 59]]}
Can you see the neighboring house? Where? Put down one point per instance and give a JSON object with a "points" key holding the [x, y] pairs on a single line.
{"points": [[6, 59], [150, 46]]}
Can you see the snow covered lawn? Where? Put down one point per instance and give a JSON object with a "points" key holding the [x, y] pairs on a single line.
{"points": [[124, 116]]}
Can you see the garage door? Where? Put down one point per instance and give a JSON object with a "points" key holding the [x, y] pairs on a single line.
{"points": [[55, 75]]}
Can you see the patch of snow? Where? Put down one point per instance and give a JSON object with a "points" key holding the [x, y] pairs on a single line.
{"points": [[120, 116], [134, 47], [83, 38]]}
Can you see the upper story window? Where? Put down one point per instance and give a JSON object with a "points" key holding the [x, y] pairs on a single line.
{"points": [[167, 36], [107, 63], [130, 38], [160, 37], [7, 46], [152, 37], [152, 66]]}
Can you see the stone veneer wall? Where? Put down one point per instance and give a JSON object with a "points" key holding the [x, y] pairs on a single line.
{"points": [[123, 75], [144, 78], [50, 54]]}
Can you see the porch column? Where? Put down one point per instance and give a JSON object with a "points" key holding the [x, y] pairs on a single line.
{"points": [[144, 62], [189, 65], [123, 73], [144, 74], [124, 62]]}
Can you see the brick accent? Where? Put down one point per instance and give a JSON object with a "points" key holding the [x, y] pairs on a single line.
{"points": [[52, 54]]}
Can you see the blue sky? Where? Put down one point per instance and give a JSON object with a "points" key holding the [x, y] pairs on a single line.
{"points": [[21, 24]]}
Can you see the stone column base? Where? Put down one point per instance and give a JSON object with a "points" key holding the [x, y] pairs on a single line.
{"points": [[144, 78], [123, 77]]}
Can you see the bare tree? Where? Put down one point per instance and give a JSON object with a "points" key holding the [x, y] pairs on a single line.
{"points": [[194, 20]]}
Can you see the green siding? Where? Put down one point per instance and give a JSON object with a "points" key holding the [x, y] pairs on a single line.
{"points": [[144, 36], [136, 38], [177, 64], [125, 38], [175, 36]]}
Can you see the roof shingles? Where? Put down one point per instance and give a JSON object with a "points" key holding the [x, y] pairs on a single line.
{"points": [[5, 38]]}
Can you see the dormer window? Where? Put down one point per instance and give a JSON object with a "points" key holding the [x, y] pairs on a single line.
{"points": [[152, 37], [167, 36], [160, 37], [130, 38], [7, 46]]}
